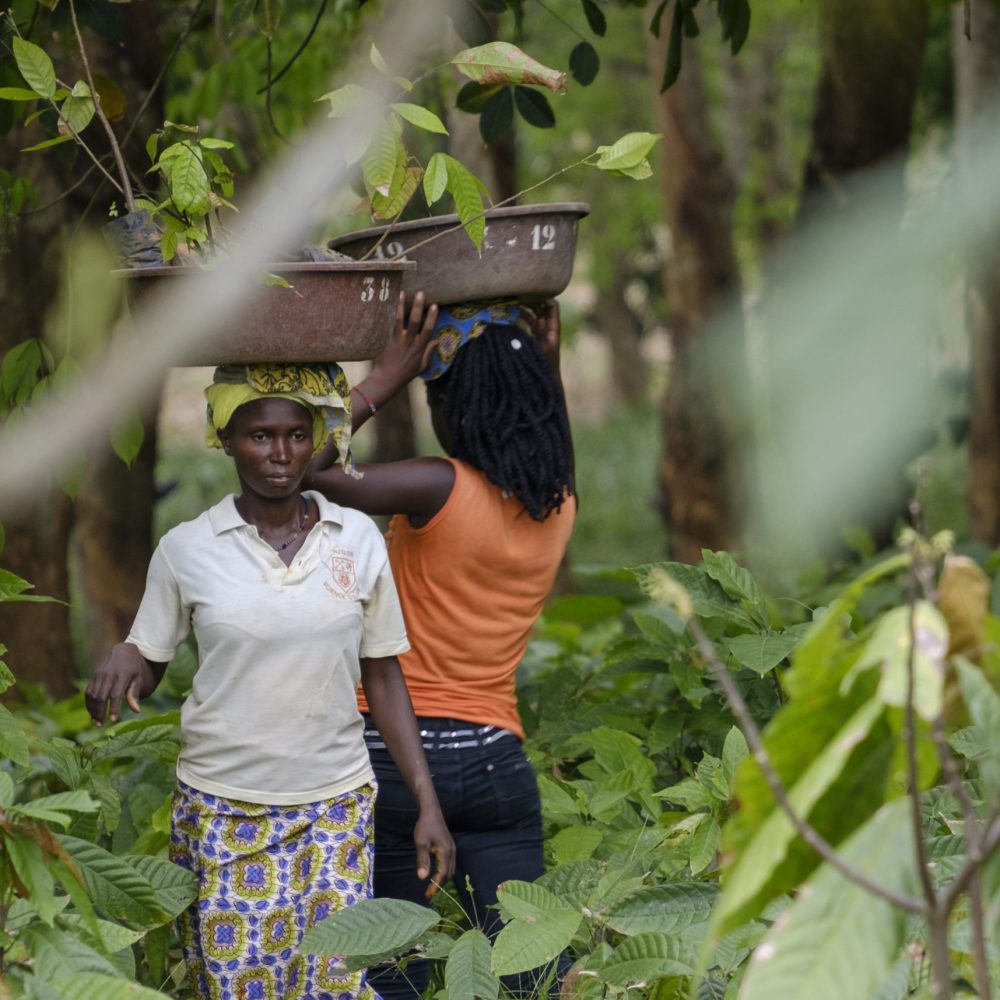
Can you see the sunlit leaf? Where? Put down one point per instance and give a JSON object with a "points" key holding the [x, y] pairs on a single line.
{"points": [[838, 940], [17, 94], [371, 926], [421, 117]]}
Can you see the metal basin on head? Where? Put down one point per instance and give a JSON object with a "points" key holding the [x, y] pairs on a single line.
{"points": [[528, 253], [334, 311]]}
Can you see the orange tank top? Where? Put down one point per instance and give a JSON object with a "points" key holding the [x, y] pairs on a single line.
{"points": [[472, 583]]}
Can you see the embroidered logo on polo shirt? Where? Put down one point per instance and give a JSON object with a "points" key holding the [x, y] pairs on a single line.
{"points": [[344, 576]]}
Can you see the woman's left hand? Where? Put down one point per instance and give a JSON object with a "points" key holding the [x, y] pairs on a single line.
{"points": [[431, 836], [408, 351]]}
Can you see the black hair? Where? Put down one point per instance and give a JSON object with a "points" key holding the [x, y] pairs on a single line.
{"points": [[506, 415]]}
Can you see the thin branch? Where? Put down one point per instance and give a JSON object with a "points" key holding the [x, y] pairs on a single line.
{"points": [[272, 80], [810, 835], [126, 186], [267, 99]]}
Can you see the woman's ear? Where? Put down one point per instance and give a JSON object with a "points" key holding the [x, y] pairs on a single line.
{"points": [[223, 435]]}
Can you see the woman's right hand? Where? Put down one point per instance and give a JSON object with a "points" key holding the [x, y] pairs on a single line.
{"points": [[125, 673], [409, 349]]}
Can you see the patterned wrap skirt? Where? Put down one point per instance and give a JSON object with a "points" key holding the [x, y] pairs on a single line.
{"points": [[266, 875]]}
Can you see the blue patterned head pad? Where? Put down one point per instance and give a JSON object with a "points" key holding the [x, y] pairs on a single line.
{"points": [[458, 324]]}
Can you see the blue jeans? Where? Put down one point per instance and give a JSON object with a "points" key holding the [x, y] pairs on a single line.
{"points": [[489, 797]]}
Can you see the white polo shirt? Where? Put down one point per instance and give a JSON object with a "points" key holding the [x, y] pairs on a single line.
{"points": [[272, 716]]}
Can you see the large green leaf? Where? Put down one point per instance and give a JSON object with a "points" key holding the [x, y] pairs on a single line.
{"points": [[708, 598], [13, 741], [435, 178], [664, 909], [385, 155], [188, 180], [647, 957], [467, 190], [175, 886], [346, 99], [35, 66], [837, 940], [153, 742], [369, 927], [467, 973], [6, 789], [28, 860], [501, 62], [768, 849], [77, 110], [541, 926], [114, 884]]}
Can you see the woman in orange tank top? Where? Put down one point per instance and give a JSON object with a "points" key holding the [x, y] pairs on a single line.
{"points": [[474, 545]]}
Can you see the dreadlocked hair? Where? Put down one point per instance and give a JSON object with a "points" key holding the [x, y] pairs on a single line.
{"points": [[505, 413]]}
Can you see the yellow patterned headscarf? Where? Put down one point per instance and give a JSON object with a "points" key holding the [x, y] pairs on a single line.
{"points": [[321, 389]]}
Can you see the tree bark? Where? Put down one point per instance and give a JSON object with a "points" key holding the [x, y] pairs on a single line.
{"points": [[871, 55], [977, 88], [697, 467], [115, 504]]}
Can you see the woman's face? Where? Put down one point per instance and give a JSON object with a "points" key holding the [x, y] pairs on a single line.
{"points": [[271, 443]]}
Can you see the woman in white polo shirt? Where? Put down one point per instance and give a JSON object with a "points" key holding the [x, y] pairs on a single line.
{"points": [[291, 601]]}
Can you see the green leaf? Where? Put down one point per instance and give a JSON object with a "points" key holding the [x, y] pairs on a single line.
{"points": [[983, 704], [11, 585], [127, 438], [501, 62], [7, 679], [17, 94], [522, 945], [47, 144], [267, 16], [575, 843], [497, 117], [53, 808], [380, 163], [28, 860], [6, 789], [703, 845], [189, 185], [647, 957], [13, 741], [472, 98], [734, 752], [114, 884], [534, 107], [889, 650], [664, 909], [90, 985], [708, 598], [175, 887], [737, 582], [838, 940], [735, 23], [467, 973], [584, 63], [35, 66], [595, 17], [767, 850], [383, 67], [152, 742], [60, 957], [404, 184], [761, 652], [435, 178], [672, 62], [466, 189], [78, 109], [370, 927], [421, 117]]}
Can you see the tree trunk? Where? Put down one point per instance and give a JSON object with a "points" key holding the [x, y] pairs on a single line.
{"points": [[871, 54], [697, 473], [116, 503], [977, 88], [624, 332]]}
